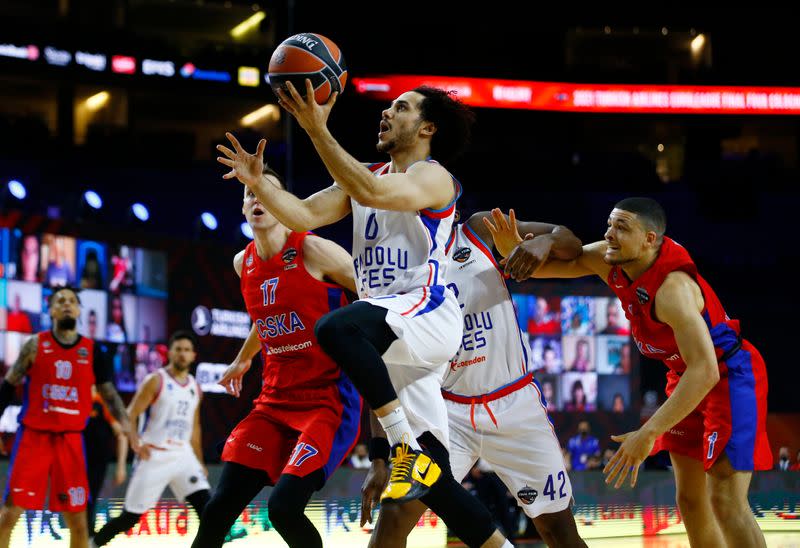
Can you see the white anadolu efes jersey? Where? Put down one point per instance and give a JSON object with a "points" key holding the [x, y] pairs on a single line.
{"points": [[170, 418], [396, 252], [494, 352]]}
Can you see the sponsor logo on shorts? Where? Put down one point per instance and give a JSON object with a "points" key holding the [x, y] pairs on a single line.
{"points": [[249, 261], [674, 357], [289, 255], [462, 254], [290, 266], [527, 494], [255, 447], [642, 295], [676, 432]]}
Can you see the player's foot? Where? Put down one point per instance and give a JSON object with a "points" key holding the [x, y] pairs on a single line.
{"points": [[413, 474]]}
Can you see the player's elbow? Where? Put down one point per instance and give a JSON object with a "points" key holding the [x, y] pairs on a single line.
{"points": [[712, 375]]}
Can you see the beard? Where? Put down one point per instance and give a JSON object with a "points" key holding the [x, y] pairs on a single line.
{"points": [[386, 147], [67, 323]]}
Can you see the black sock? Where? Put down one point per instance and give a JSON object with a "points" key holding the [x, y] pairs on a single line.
{"points": [[118, 525], [198, 500]]}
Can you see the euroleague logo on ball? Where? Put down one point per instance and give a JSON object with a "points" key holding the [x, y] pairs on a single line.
{"points": [[279, 57]]}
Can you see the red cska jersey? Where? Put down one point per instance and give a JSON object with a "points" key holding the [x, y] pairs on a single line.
{"points": [[655, 339], [284, 302], [58, 387]]}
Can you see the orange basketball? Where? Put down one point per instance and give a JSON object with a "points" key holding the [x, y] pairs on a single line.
{"points": [[308, 55]]}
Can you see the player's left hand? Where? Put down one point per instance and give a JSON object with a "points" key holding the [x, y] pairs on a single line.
{"points": [[504, 231], [374, 484], [309, 114], [635, 447]]}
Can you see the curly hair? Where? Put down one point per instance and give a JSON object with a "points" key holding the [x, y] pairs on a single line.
{"points": [[453, 121]]}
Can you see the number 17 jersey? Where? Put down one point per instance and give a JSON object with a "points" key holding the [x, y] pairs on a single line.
{"points": [[284, 302]]}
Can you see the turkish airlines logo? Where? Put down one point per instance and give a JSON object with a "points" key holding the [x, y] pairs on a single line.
{"points": [[201, 320]]}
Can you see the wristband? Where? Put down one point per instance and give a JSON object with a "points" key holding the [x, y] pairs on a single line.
{"points": [[379, 449]]}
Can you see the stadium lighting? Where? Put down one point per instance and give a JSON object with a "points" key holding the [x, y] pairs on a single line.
{"points": [[209, 221], [248, 24], [17, 189], [267, 111], [97, 101], [247, 231], [93, 199], [697, 43], [140, 212]]}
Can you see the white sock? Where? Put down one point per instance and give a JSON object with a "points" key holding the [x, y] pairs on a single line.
{"points": [[397, 428]]}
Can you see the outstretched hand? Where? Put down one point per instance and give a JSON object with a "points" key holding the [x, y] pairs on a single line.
{"points": [[309, 114], [246, 167], [635, 447]]}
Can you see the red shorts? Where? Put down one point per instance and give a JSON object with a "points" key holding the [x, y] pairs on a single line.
{"points": [[299, 435], [38, 455], [731, 418]]}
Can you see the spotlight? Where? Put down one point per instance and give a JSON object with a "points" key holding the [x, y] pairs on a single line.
{"points": [[17, 189], [93, 199], [140, 212], [247, 231], [209, 221]]}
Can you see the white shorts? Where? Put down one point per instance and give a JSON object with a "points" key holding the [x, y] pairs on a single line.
{"points": [[522, 449], [418, 359], [178, 468]]}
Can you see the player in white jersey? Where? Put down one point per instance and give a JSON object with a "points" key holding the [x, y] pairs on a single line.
{"points": [[169, 448], [495, 406], [395, 343]]}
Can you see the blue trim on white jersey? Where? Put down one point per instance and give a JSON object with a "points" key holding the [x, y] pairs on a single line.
{"points": [[431, 224], [435, 300]]}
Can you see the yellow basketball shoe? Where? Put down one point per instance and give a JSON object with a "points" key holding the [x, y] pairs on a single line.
{"points": [[413, 474]]}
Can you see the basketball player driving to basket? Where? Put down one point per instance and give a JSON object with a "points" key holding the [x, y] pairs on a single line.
{"points": [[394, 344]]}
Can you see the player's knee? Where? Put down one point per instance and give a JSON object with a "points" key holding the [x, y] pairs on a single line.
{"points": [[691, 501], [330, 330], [282, 512], [556, 528], [727, 506]]}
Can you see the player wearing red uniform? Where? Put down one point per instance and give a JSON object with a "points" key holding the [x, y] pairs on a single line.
{"points": [[59, 368], [714, 420], [306, 419]]}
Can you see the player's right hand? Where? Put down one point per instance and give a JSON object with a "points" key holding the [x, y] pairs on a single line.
{"points": [[141, 449], [373, 486], [246, 167], [232, 378]]}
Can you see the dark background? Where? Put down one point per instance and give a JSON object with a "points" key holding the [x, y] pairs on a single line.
{"points": [[728, 183]]}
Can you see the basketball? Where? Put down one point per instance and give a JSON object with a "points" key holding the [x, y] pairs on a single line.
{"points": [[308, 55]]}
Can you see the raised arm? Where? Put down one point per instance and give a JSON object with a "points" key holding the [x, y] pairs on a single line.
{"points": [[679, 303], [327, 261], [524, 255], [589, 262], [320, 209], [423, 185]]}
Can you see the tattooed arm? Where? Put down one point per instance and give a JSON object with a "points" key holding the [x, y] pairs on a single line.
{"points": [[17, 373], [27, 354], [114, 403]]}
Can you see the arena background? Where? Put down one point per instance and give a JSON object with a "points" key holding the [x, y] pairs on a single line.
{"points": [[727, 178]]}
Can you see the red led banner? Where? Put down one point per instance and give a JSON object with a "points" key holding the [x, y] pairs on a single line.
{"points": [[556, 96]]}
